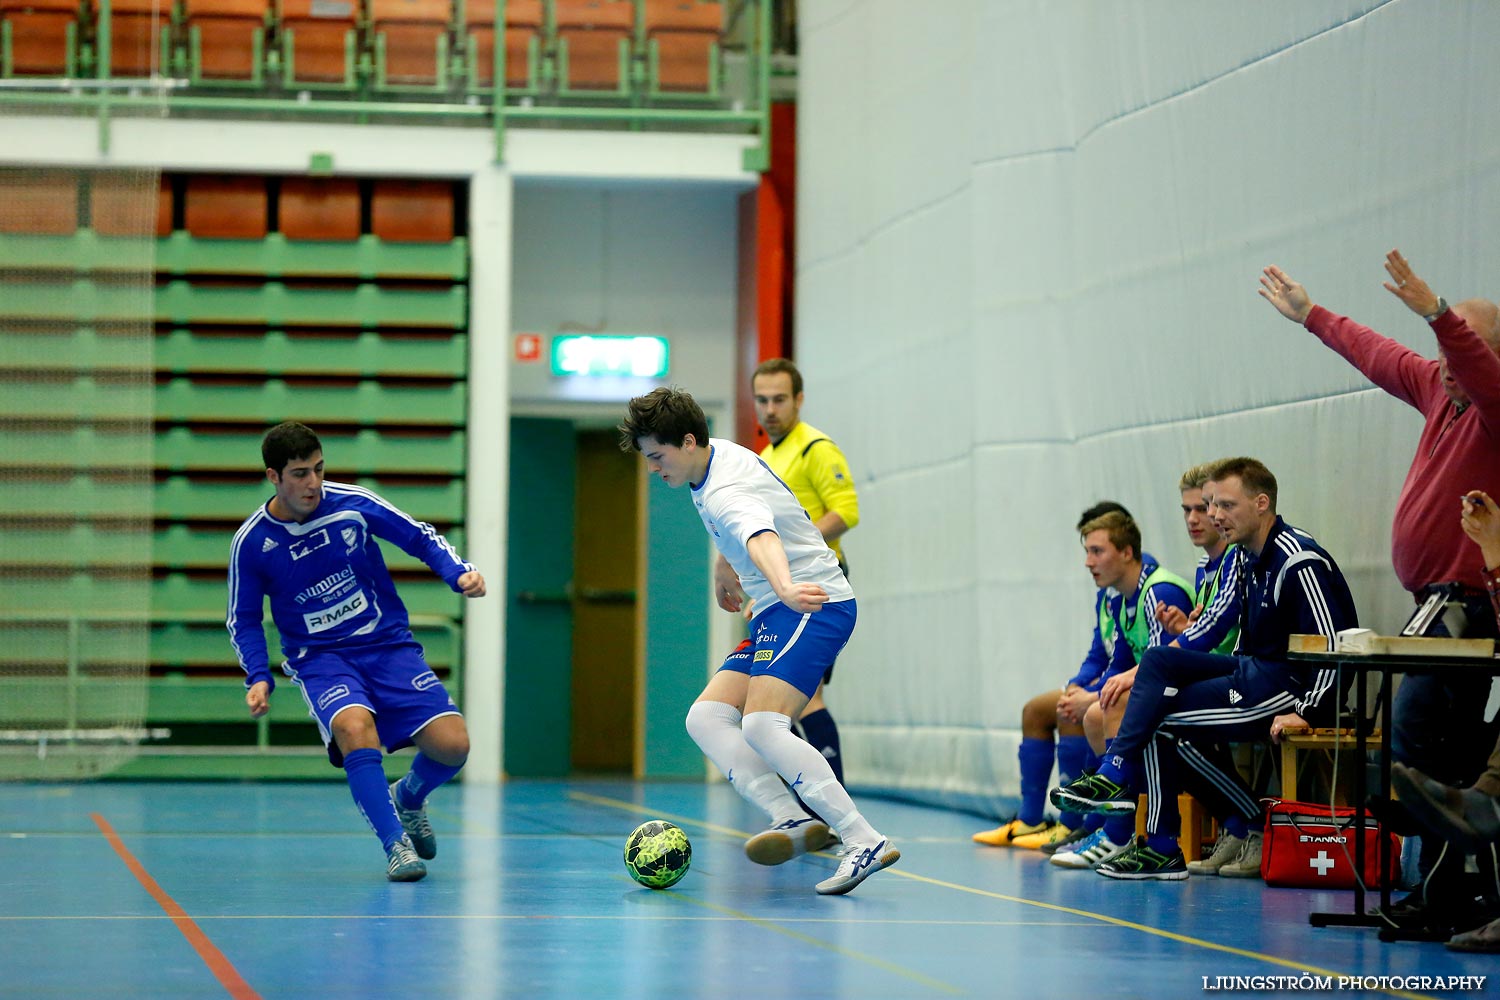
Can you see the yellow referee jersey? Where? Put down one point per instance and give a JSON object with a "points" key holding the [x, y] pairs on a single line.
{"points": [[810, 463]]}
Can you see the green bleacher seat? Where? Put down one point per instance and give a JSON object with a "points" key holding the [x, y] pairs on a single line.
{"points": [[366, 452], [275, 352], [369, 403]]}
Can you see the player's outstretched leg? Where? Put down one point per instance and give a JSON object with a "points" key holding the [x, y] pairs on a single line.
{"points": [[715, 727], [866, 851]]}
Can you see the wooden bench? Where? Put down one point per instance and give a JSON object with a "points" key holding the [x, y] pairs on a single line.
{"points": [[1196, 822], [1299, 738]]}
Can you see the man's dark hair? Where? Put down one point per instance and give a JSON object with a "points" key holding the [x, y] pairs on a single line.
{"points": [[1252, 474], [779, 366], [1099, 510], [286, 442], [668, 414]]}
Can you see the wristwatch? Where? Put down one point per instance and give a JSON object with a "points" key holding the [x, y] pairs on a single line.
{"points": [[1442, 307]]}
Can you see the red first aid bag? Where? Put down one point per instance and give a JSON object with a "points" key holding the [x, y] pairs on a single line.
{"points": [[1309, 846]]}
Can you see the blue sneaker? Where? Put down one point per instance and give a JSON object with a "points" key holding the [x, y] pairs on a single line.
{"points": [[1094, 793], [858, 864], [787, 840]]}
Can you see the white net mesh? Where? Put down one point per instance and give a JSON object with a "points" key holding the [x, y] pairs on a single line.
{"points": [[77, 255]]}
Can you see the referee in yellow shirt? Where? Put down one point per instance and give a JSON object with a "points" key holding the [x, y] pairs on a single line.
{"points": [[810, 464]]}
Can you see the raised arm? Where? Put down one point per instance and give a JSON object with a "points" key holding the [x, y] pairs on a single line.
{"points": [[1392, 366]]}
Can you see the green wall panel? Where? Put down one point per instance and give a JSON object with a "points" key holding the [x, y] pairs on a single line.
{"points": [[677, 587]]}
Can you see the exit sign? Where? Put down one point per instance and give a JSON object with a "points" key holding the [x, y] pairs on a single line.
{"points": [[603, 354]]}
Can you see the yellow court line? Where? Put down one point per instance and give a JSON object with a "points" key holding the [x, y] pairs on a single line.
{"points": [[1088, 914]]}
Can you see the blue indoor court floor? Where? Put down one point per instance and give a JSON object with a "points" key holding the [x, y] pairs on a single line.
{"points": [[176, 890]]}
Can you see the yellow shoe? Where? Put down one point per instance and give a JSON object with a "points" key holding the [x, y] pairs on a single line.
{"points": [[1034, 842], [1005, 834]]}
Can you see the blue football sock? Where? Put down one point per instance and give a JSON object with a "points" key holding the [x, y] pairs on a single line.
{"points": [[1118, 770], [1091, 822], [372, 795], [1036, 770], [425, 777], [1162, 843], [1235, 826], [818, 729], [1120, 829], [1072, 757]]}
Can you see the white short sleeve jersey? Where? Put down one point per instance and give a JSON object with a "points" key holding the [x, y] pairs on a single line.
{"points": [[739, 498]]}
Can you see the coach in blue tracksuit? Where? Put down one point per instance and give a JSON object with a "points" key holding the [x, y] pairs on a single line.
{"points": [[345, 634], [1186, 706]]}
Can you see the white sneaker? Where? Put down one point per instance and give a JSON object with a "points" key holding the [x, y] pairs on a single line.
{"points": [[1226, 850], [1089, 852], [858, 864], [784, 841], [1247, 865]]}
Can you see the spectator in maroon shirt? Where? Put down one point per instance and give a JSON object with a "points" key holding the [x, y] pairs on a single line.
{"points": [[1438, 723]]}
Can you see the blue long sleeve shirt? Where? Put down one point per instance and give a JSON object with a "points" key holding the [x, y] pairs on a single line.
{"points": [[326, 577]]}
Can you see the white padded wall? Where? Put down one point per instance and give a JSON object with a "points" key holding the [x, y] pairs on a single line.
{"points": [[1029, 239]]}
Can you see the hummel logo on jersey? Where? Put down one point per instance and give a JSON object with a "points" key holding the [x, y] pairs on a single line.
{"points": [[1235, 697], [268, 546]]}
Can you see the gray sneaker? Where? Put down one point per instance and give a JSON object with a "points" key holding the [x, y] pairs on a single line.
{"points": [[858, 864], [1247, 865], [414, 822], [1226, 849], [402, 863]]}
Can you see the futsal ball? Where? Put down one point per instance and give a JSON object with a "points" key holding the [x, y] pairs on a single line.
{"points": [[657, 854]]}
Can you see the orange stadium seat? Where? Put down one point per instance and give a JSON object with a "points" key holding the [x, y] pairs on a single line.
{"points": [[594, 43], [227, 38], [117, 207], [226, 208], [413, 36], [43, 37], [41, 204], [319, 208], [683, 36], [523, 43], [412, 211], [137, 29], [318, 40]]}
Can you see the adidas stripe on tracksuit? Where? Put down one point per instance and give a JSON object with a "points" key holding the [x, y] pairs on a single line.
{"points": [[1185, 707]]}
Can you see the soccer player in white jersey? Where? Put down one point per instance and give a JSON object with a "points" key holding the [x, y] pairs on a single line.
{"points": [[344, 632], [771, 553]]}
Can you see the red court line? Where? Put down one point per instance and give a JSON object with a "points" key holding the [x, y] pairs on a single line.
{"points": [[212, 957]]}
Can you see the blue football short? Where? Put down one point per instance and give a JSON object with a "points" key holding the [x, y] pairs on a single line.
{"points": [[797, 648], [392, 681]]}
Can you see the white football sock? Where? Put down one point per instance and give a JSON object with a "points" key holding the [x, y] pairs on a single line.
{"points": [[807, 771], [715, 727]]}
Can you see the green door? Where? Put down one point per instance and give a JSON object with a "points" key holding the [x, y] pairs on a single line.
{"points": [[539, 613]]}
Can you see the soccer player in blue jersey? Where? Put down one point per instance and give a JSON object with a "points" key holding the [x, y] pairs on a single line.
{"points": [[771, 553], [1137, 587], [345, 634], [1212, 626], [1186, 706], [1113, 557]]}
